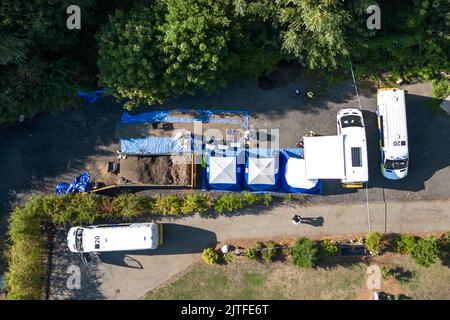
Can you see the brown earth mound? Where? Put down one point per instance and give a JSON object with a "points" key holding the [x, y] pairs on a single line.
{"points": [[158, 170]]}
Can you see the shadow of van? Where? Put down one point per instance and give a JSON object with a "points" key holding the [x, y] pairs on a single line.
{"points": [[178, 239], [428, 141]]}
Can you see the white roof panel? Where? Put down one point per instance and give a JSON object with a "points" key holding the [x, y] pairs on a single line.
{"points": [[261, 171], [324, 157], [222, 170], [134, 237]]}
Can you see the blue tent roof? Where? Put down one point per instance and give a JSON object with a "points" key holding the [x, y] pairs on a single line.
{"points": [[262, 169], [293, 173]]}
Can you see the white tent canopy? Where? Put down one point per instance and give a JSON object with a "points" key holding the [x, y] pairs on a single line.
{"points": [[262, 170], [222, 170], [295, 174], [324, 157]]}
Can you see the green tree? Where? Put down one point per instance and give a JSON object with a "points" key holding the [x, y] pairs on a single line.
{"points": [[314, 30], [165, 50]]}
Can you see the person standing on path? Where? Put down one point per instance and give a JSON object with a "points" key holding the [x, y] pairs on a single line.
{"points": [[296, 219]]}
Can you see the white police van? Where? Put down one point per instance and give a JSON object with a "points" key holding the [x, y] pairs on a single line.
{"points": [[350, 125], [119, 237], [392, 127]]}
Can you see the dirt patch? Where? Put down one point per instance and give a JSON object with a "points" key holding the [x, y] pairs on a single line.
{"points": [[158, 170]]}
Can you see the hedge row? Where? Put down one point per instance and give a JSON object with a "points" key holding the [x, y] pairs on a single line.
{"points": [[306, 253], [27, 253]]}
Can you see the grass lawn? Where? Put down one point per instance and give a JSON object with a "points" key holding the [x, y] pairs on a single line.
{"points": [[431, 283], [244, 279]]}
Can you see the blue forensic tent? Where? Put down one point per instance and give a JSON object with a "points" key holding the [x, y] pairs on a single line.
{"points": [[80, 184], [224, 171], [293, 177], [262, 169]]}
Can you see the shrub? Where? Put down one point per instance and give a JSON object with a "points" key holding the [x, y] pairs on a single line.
{"points": [[253, 252], [373, 242], [194, 203], [269, 252], [385, 272], [426, 251], [404, 244], [287, 199], [266, 199], [168, 205], [441, 88], [128, 206], [328, 249], [228, 257], [305, 253], [228, 202], [210, 256]]}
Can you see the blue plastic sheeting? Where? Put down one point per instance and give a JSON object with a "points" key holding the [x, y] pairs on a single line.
{"points": [[265, 180], [152, 146], [80, 184], [164, 116], [237, 172], [91, 96], [166, 145], [297, 153]]}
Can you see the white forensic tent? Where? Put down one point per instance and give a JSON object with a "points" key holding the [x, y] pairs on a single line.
{"points": [[261, 170], [295, 175], [222, 170], [324, 157]]}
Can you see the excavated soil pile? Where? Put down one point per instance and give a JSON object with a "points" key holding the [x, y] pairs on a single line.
{"points": [[158, 170]]}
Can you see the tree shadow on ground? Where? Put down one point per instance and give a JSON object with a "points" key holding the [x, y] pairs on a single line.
{"points": [[327, 262], [402, 275], [38, 153]]}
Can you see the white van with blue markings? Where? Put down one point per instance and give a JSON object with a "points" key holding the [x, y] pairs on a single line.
{"points": [[392, 126]]}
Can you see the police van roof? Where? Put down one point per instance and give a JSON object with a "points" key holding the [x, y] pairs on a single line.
{"points": [[391, 104], [120, 238]]}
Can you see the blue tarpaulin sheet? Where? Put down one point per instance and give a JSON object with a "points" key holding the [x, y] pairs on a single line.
{"points": [[152, 145], [164, 116], [91, 96], [80, 184]]}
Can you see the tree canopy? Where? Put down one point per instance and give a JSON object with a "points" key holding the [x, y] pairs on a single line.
{"points": [[148, 51]]}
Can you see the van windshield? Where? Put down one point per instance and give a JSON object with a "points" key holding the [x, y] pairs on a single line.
{"points": [[79, 240], [351, 121], [396, 164]]}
